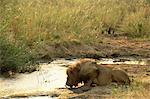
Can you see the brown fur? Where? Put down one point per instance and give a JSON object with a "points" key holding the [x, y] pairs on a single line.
{"points": [[104, 77], [89, 72], [120, 77], [80, 72]]}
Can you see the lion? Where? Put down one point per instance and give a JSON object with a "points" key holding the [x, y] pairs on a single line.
{"points": [[89, 72], [82, 71]]}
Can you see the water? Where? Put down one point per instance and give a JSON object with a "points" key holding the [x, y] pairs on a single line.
{"points": [[48, 78], [124, 61]]}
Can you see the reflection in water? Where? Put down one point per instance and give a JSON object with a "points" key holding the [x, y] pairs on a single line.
{"points": [[50, 76]]}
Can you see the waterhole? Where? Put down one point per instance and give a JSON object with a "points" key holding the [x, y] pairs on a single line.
{"points": [[51, 76]]}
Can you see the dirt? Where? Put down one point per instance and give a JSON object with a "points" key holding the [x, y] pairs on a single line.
{"points": [[108, 48], [130, 48]]}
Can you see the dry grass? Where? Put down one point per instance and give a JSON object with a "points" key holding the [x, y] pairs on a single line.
{"points": [[35, 24], [137, 90], [51, 21]]}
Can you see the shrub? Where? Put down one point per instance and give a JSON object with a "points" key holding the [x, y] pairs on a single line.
{"points": [[13, 58]]}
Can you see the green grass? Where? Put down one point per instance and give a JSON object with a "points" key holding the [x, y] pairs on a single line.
{"points": [[14, 59], [37, 23]]}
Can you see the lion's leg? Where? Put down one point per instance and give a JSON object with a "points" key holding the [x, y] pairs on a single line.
{"points": [[87, 85]]}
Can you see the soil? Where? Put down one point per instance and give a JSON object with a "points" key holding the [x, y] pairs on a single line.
{"points": [[109, 47]]}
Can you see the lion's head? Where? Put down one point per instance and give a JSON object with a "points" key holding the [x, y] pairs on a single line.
{"points": [[73, 77], [81, 71]]}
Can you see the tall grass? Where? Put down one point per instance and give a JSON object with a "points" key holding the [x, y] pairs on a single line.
{"points": [[52, 20], [36, 23], [136, 22]]}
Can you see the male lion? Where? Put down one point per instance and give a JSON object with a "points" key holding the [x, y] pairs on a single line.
{"points": [[89, 72]]}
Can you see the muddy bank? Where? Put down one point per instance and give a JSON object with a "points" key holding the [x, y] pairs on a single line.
{"points": [[109, 48]]}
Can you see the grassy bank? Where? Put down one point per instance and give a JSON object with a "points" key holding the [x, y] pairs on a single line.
{"points": [[37, 24]]}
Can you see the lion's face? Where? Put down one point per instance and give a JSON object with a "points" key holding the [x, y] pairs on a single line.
{"points": [[72, 77]]}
